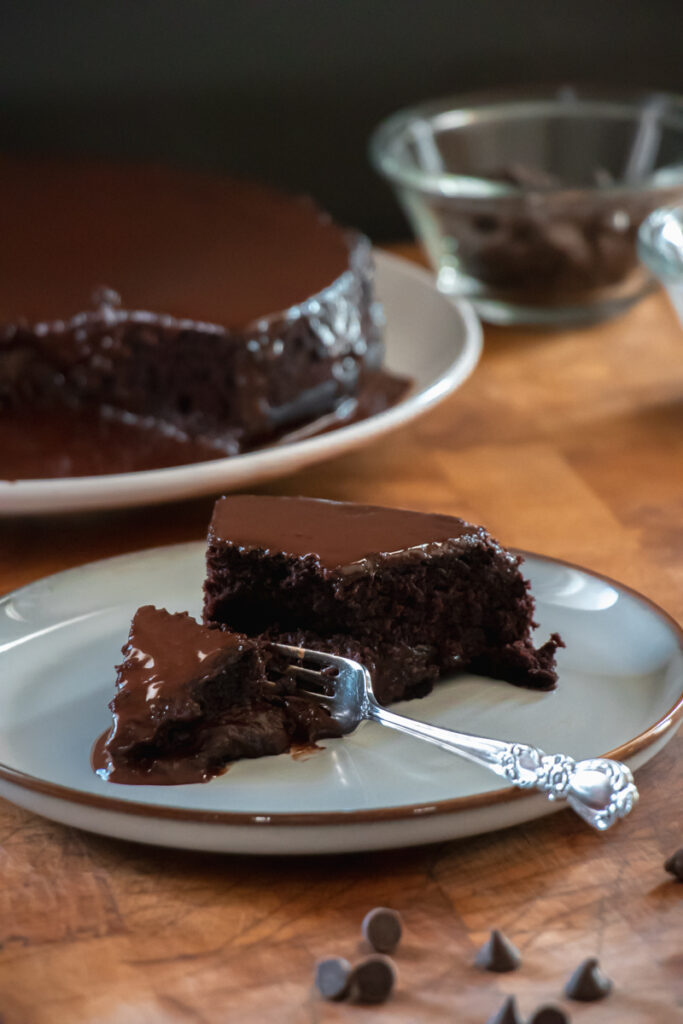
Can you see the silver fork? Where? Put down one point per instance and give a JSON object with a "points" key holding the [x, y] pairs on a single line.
{"points": [[600, 790]]}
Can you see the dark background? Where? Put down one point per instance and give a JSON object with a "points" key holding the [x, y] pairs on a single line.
{"points": [[288, 91]]}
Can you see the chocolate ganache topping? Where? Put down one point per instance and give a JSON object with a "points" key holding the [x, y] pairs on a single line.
{"points": [[343, 536], [194, 247]]}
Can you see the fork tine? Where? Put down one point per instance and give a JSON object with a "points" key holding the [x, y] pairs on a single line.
{"points": [[319, 698], [317, 695], [323, 659], [306, 673], [316, 679], [341, 686]]}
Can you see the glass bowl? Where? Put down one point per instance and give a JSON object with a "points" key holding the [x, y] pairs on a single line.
{"points": [[529, 203], [660, 246]]}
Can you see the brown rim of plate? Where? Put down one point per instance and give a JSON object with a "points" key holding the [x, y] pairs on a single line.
{"points": [[368, 815]]}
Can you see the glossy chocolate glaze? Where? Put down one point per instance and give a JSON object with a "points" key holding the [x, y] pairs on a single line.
{"points": [[165, 656], [63, 442], [171, 771], [165, 659], [39, 443], [340, 534], [192, 246]]}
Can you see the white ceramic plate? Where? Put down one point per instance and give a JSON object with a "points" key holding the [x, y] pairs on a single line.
{"points": [[621, 691], [429, 338]]}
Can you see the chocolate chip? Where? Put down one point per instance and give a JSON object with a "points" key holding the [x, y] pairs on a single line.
{"points": [[674, 864], [332, 977], [588, 983], [549, 1015], [372, 980], [498, 954], [524, 176], [382, 929], [507, 1014]]}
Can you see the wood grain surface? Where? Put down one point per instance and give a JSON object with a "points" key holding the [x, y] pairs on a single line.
{"points": [[567, 443]]}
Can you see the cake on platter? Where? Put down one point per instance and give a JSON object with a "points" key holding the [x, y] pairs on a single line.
{"points": [[412, 596], [152, 317]]}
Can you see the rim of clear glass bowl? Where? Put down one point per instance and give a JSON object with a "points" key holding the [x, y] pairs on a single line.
{"points": [[575, 101], [663, 256]]}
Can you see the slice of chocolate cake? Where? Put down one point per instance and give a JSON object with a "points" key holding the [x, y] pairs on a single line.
{"points": [[190, 699], [412, 596]]}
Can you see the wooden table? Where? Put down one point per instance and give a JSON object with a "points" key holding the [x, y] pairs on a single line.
{"points": [[570, 444]]}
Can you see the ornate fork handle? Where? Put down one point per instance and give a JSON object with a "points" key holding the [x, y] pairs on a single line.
{"points": [[600, 790]]}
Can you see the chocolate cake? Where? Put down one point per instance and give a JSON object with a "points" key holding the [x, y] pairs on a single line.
{"points": [[198, 311], [412, 596], [190, 699]]}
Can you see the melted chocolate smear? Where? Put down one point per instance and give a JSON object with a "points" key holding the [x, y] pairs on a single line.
{"points": [[181, 771], [302, 751], [61, 442], [42, 444], [182, 242]]}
